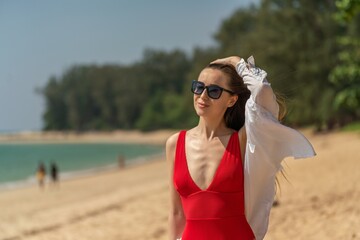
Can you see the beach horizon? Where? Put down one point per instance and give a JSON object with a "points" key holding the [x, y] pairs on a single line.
{"points": [[156, 137]]}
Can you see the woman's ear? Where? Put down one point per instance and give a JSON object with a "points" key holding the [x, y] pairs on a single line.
{"points": [[233, 100]]}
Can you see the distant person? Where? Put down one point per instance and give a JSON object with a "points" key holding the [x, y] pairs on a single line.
{"points": [[40, 175], [121, 161], [54, 171], [222, 171]]}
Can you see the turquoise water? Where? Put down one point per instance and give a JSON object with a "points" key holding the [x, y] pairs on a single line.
{"points": [[18, 162]]}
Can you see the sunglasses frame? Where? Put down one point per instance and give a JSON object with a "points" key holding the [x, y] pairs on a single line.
{"points": [[207, 89]]}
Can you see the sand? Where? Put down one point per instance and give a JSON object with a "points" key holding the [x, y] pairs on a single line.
{"points": [[320, 201]]}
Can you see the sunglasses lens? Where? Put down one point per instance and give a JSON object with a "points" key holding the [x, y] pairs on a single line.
{"points": [[214, 92], [197, 88]]}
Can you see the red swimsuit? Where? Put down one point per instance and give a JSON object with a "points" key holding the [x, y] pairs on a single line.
{"points": [[216, 213]]}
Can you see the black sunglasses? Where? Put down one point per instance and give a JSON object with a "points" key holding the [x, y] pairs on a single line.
{"points": [[213, 91]]}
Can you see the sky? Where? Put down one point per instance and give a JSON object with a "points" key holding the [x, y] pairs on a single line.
{"points": [[43, 38]]}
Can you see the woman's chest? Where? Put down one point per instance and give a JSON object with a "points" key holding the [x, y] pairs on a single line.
{"points": [[211, 165]]}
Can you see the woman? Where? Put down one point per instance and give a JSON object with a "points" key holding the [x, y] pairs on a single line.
{"points": [[222, 172]]}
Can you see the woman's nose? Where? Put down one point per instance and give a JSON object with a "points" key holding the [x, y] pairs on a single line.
{"points": [[204, 94]]}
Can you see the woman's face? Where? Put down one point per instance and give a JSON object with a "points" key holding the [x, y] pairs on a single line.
{"points": [[208, 107]]}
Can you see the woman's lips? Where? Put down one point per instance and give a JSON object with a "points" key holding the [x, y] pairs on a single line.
{"points": [[202, 105]]}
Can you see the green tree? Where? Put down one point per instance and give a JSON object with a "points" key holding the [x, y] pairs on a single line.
{"points": [[294, 40], [346, 75], [164, 75], [55, 116]]}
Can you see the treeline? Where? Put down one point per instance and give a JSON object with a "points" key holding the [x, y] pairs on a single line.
{"points": [[146, 95], [312, 59]]}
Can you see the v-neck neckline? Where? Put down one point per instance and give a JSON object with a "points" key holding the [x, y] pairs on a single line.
{"points": [[216, 171]]}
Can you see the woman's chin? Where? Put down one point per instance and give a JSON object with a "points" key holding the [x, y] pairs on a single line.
{"points": [[201, 112]]}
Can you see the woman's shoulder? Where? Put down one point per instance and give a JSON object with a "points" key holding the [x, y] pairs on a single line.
{"points": [[170, 146], [242, 131], [171, 141]]}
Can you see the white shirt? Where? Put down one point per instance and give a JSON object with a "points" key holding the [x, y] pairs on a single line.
{"points": [[268, 143]]}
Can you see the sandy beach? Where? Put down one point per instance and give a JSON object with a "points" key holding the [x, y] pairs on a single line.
{"points": [[320, 199]]}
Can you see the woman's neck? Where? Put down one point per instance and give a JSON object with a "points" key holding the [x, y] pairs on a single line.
{"points": [[211, 129]]}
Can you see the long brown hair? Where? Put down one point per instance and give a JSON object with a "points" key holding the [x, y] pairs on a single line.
{"points": [[234, 116]]}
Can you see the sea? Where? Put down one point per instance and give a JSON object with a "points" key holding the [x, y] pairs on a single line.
{"points": [[19, 161]]}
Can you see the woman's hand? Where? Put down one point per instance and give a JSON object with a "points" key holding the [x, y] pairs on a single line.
{"points": [[233, 60]]}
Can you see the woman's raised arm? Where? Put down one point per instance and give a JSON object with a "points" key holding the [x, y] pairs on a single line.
{"points": [[255, 80]]}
